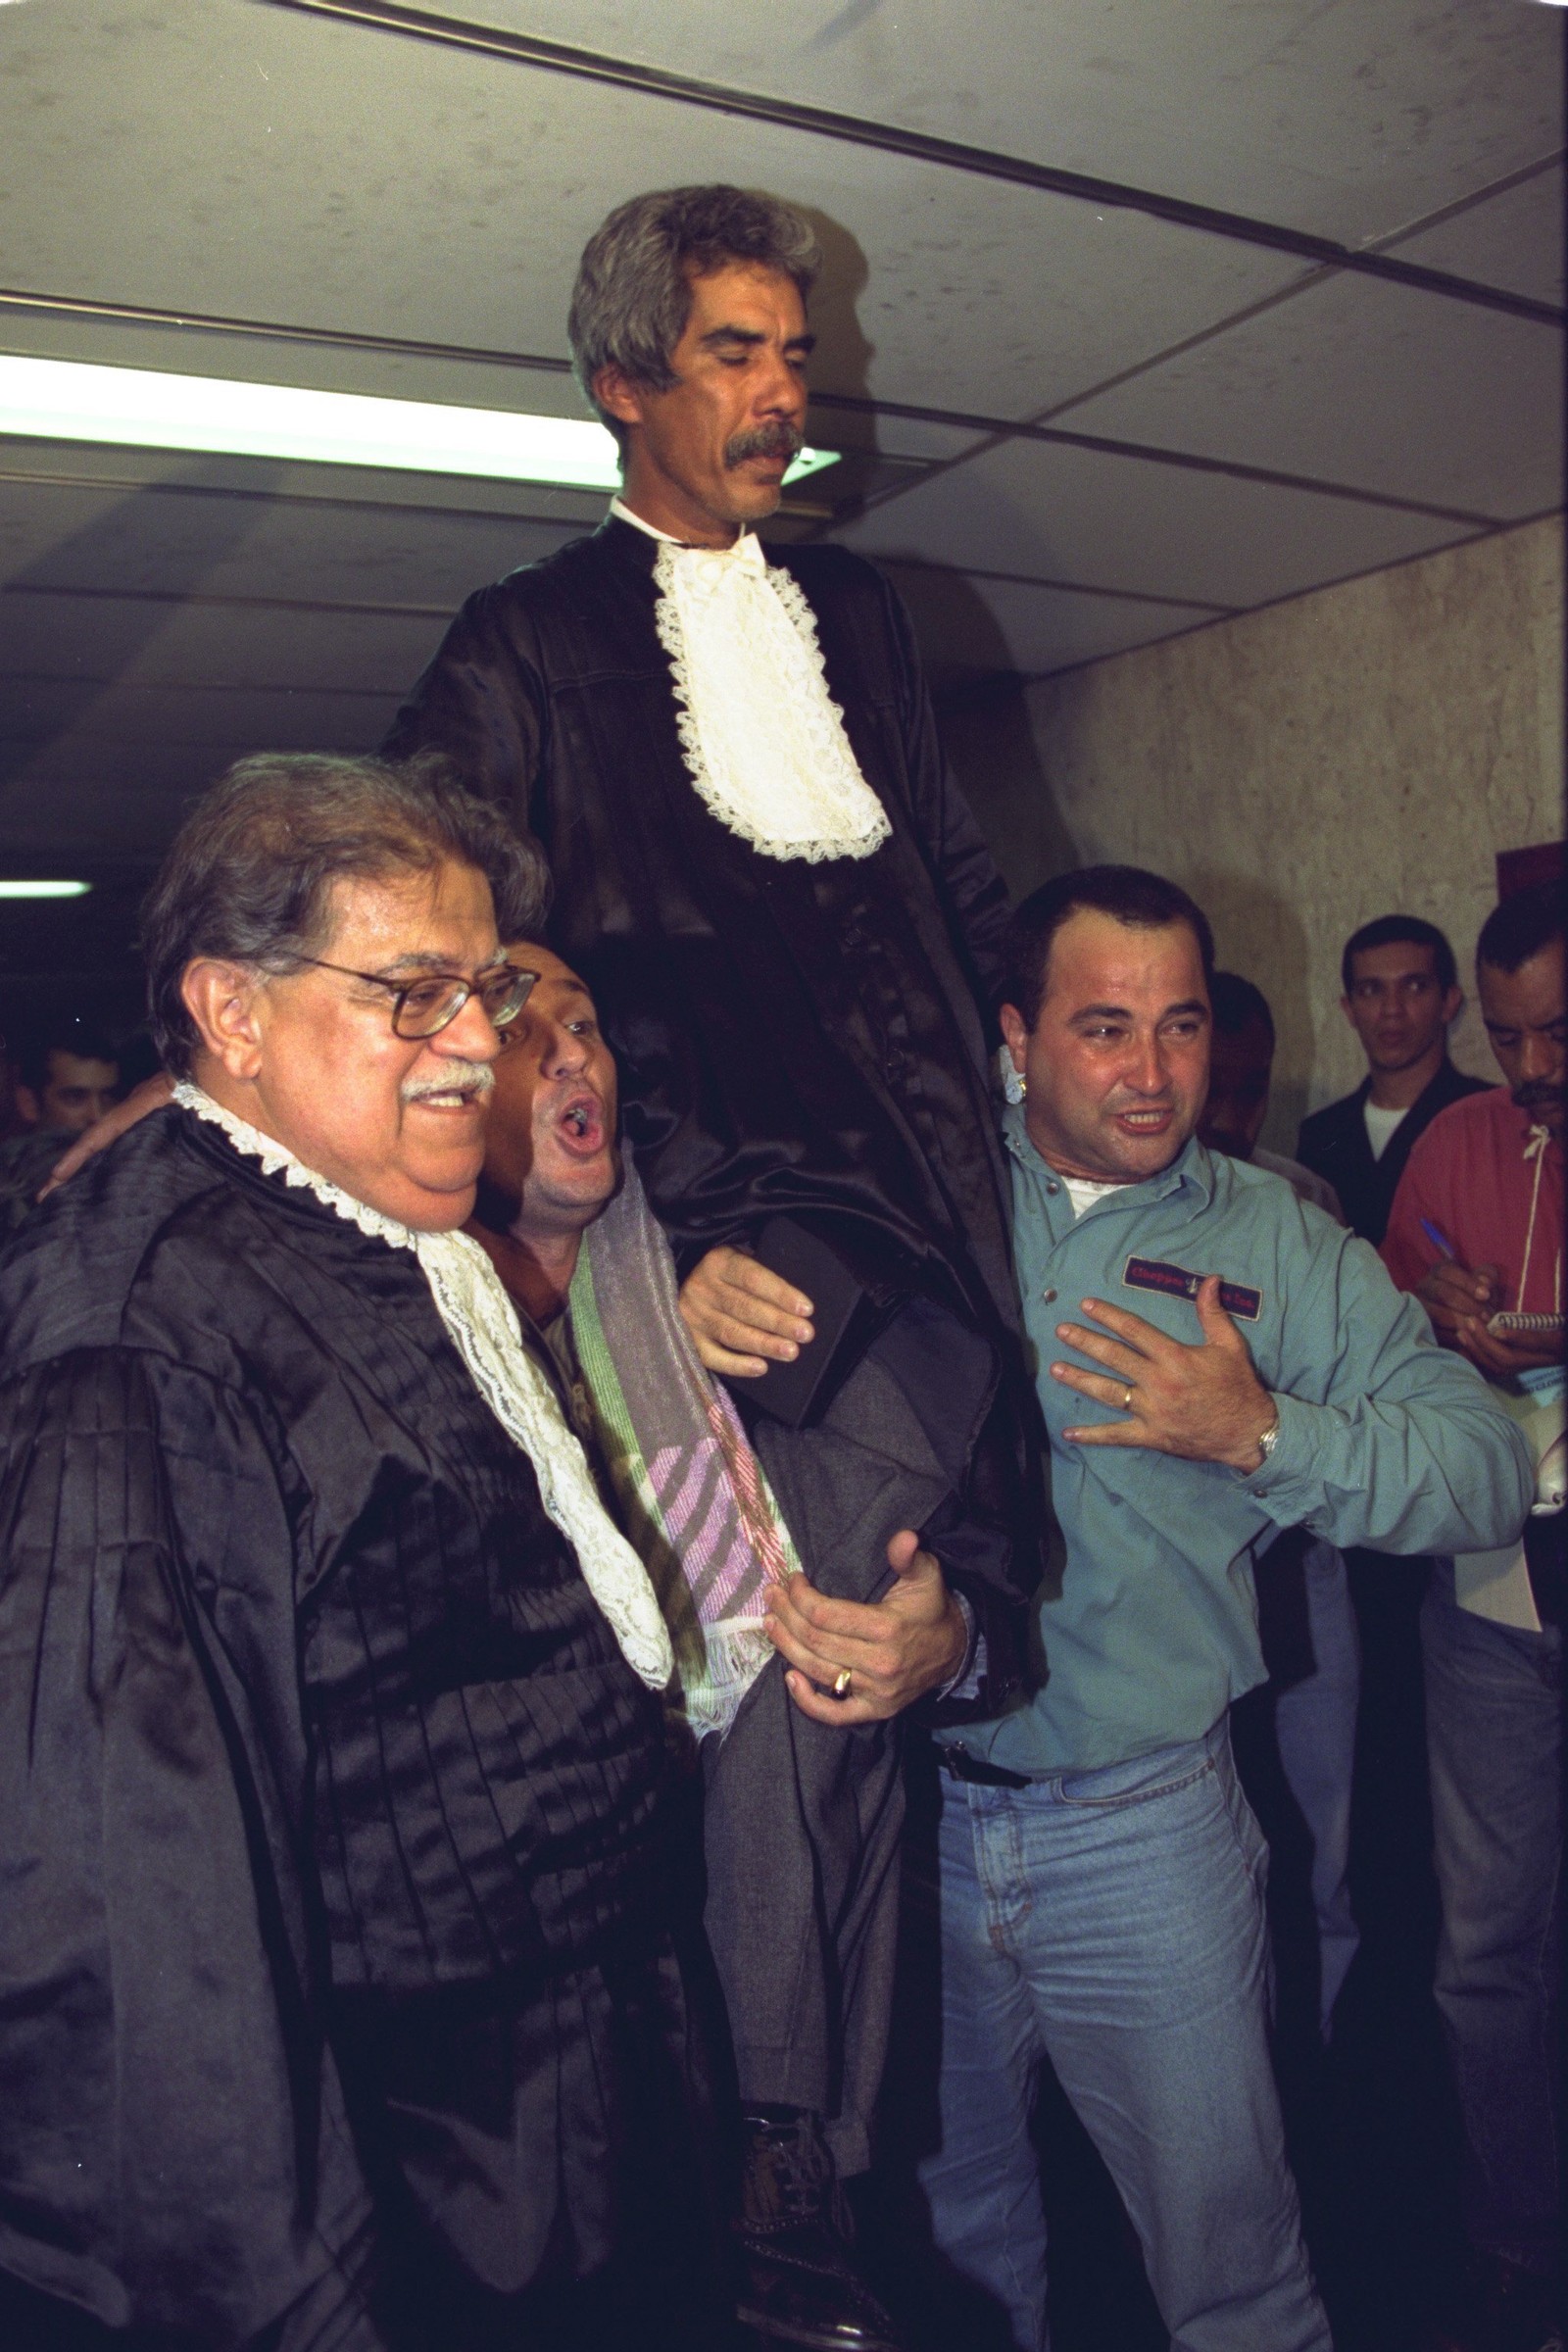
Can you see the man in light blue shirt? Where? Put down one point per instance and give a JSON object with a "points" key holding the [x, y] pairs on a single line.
{"points": [[1215, 1361]]}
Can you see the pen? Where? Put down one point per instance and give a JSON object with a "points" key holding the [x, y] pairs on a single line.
{"points": [[1438, 1238]]}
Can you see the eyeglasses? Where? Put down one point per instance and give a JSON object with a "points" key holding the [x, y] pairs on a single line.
{"points": [[424, 1008]]}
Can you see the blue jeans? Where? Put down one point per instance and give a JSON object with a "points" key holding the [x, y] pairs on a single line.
{"points": [[1113, 1923], [1494, 1741]]}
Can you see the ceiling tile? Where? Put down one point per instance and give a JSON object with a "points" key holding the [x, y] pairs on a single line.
{"points": [[1081, 519], [417, 191], [220, 721], [1370, 385], [1344, 121], [1513, 240], [135, 771], [100, 536], [967, 627], [159, 644]]}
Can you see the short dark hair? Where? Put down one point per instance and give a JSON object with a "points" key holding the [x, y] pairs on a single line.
{"points": [[59, 1033], [1521, 926], [1142, 901], [633, 294], [249, 872], [1398, 930], [1236, 1004]]}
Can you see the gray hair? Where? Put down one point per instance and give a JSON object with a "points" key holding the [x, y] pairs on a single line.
{"points": [[248, 875], [633, 295]]}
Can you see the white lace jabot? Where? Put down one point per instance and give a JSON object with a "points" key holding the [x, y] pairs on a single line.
{"points": [[764, 739], [482, 1326]]}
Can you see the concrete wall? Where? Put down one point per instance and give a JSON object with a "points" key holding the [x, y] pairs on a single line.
{"points": [[1365, 749]]}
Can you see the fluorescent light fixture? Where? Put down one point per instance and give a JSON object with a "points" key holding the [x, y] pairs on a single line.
{"points": [[140, 408], [44, 890]]}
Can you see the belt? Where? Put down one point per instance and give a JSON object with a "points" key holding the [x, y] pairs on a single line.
{"points": [[959, 1765]]}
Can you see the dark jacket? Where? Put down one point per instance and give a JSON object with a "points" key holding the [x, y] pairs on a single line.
{"points": [[1332, 1144], [798, 1038], [304, 1706]]}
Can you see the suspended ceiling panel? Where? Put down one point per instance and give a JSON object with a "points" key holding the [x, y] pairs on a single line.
{"points": [[117, 715], [1141, 528], [417, 191], [168, 540], [1512, 239], [1350, 118], [1076, 417], [1374, 386], [192, 642], [989, 624]]}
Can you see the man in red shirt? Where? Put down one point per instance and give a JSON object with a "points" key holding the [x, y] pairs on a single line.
{"points": [[1477, 1232]]}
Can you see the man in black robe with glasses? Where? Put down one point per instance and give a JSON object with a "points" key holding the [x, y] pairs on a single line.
{"points": [[339, 2002]]}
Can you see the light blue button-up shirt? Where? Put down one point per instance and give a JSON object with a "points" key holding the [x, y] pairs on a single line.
{"points": [[1148, 1624]]}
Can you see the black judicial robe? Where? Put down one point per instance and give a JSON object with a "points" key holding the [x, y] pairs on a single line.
{"points": [[318, 1768], [793, 1036]]}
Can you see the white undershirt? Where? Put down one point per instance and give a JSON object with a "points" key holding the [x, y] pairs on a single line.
{"points": [[1380, 1125], [1082, 1193]]}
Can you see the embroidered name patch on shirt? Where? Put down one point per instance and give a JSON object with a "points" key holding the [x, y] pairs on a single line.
{"points": [[1153, 1274]]}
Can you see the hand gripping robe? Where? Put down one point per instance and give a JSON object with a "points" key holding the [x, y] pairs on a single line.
{"points": [[330, 1830]]}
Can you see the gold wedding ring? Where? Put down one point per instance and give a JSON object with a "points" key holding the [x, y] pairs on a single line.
{"points": [[1127, 1401], [843, 1682]]}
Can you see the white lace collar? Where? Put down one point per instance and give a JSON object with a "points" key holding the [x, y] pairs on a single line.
{"points": [[480, 1320], [763, 740]]}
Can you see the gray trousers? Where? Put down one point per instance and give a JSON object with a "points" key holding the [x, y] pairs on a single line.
{"points": [[803, 1821]]}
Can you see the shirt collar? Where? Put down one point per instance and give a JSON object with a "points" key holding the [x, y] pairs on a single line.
{"points": [[623, 514], [1191, 1171], [746, 549]]}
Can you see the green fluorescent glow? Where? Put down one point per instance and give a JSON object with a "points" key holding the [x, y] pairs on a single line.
{"points": [[44, 890], [139, 408]]}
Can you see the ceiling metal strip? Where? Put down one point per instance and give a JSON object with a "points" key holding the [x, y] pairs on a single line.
{"points": [[440, 612], [559, 57], [210, 322], [199, 597], [990, 428], [1031, 579], [1145, 453]]}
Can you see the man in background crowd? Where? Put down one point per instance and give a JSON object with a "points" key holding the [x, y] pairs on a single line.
{"points": [[66, 1077], [1301, 1724], [1241, 1071], [1401, 993], [1477, 1233]]}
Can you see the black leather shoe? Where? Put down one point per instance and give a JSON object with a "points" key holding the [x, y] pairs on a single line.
{"points": [[798, 2284]]}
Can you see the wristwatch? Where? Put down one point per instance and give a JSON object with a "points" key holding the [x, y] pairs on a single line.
{"points": [[1270, 1437]]}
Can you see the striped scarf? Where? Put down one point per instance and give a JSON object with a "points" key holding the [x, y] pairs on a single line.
{"points": [[694, 1498]]}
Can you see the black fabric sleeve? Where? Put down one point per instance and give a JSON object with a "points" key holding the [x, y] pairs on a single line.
{"points": [[954, 846], [481, 702], [151, 2044]]}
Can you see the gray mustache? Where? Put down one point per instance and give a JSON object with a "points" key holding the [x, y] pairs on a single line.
{"points": [[764, 441], [465, 1077]]}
